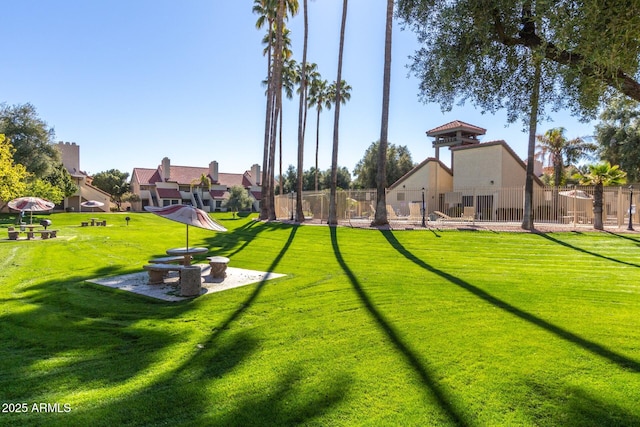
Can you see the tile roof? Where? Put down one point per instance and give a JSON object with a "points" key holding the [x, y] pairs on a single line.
{"points": [[168, 193], [185, 175], [145, 176], [454, 125]]}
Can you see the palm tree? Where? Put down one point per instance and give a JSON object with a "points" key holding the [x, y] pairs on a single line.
{"points": [[333, 214], [266, 9], [302, 116], [556, 151], [600, 175], [381, 207], [319, 97], [289, 77], [272, 12]]}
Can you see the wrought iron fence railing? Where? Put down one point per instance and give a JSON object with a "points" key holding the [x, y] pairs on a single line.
{"points": [[562, 205]]}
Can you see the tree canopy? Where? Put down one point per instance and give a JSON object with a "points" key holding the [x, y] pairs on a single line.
{"points": [[618, 134], [31, 138], [398, 163], [483, 50], [113, 182], [12, 175], [238, 199]]}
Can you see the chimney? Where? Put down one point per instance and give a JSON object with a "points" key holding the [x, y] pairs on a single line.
{"points": [[166, 169], [255, 172], [213, 171]]}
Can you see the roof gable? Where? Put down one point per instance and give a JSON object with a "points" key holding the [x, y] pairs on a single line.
{"points": [[417, 168], [454, 126]]}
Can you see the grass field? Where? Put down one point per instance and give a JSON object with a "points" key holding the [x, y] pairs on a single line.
{"points": [[368, 328]]}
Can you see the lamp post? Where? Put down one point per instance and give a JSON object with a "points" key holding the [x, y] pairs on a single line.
{"points": [[423, 209], [630, 227], [292, 206]]}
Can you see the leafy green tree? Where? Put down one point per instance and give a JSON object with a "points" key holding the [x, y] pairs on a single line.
{"points": [[343, 178], [309, 179], [238, 200], [31, 138], [398, 164], [600, 175], [12, 175], [468, 48], [61, 178], [45, 190], [618, 135], [113, 182]]}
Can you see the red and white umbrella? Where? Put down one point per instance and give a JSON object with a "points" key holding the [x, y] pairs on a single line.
{"points": [[31, 204], [91, 204], [187, 215]]}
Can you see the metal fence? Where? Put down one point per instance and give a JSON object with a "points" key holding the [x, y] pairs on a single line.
{"points": [[563, 205]]}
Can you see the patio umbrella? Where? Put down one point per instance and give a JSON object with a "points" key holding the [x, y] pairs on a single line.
{"points": [[187, 215], [31, 204], [576, 194], [91, 204]]}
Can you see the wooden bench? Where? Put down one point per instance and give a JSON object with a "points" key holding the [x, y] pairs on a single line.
{"points": [[157, 271], [84, 224], [218, 266]]}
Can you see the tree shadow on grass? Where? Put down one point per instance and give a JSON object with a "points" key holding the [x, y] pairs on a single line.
{"points": [[582, 409], [411, 357], [595, 348], [584, 251], [119, 349], [624, 236], [58, 335], [192, 386], [236, 240]]}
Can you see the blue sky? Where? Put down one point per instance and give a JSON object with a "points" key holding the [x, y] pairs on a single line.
{"points": [[133, 81]]}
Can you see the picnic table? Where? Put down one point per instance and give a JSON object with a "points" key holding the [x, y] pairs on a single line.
{"points": [[187, 253]]}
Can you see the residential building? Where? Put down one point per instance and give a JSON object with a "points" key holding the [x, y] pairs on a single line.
{"points": [[70, 156], [203, 187], [481, 176]]}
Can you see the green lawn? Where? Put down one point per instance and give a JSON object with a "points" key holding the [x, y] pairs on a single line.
{"points": [[368, 328]]}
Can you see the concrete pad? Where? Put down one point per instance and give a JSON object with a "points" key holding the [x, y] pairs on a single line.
{"points": [[168, 291]]}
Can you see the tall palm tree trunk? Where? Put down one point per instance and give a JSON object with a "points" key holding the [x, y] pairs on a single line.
{"points": [[264, 207], [302, 117], [333, 217], [317, 148], [598, 196], [381, 174], [277, 83], [281, 179], [527, 218]]}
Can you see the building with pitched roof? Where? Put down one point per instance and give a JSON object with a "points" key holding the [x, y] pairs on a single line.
{"points": [[70, 156], [203, 187], [479, 176]]}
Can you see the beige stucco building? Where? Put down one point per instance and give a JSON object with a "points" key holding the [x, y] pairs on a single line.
{"points": [[486, 177], [70, 156]]}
